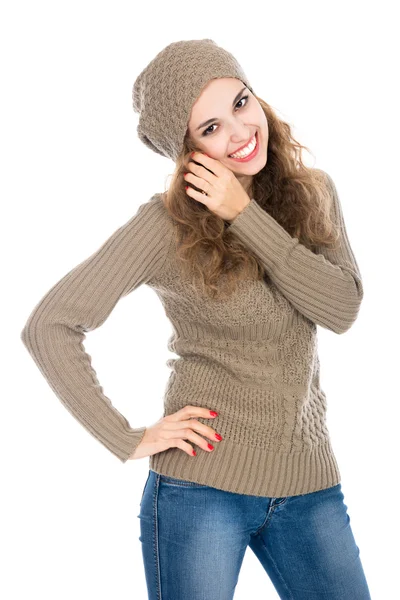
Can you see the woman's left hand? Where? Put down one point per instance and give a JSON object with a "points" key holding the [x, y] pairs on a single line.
{"points": [[226, 197]]}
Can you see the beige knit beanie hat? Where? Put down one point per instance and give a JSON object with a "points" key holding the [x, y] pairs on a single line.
{"points": [[165, 91]]}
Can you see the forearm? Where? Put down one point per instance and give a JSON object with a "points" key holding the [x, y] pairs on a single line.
{"points": [[326, 290]]}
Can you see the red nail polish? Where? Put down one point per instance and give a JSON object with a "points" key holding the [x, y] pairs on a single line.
{"points": [[194, 452], [210, 446], [213, 413], [218, 436]]}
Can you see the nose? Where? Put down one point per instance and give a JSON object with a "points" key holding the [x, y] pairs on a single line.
{"points": [[240, 134]]}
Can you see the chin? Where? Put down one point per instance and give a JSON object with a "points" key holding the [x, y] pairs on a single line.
{"points": [[250, 169]]}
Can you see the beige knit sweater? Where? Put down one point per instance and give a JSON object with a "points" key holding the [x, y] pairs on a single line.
{"points": [[253, 358]]}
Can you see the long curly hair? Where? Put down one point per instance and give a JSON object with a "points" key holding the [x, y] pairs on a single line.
{"points": [[296, 196]]}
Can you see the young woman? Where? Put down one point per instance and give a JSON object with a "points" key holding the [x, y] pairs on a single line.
{"points": [[248, 252]]}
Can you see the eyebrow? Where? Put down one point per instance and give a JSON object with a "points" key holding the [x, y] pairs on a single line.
{"points": [[209, 121]]}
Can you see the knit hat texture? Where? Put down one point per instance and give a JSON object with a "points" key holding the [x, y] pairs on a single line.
{"points": [[164, 92]]}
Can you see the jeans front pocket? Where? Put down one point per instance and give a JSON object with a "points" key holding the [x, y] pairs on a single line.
{"points": [[166, 479]]}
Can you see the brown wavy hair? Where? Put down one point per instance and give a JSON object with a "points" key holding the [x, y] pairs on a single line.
{"points": [[296, 196]]}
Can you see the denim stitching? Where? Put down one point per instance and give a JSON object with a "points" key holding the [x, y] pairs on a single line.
{"points": [[277, 570], [181, 482], [155, 537], [271, 508], [281, 502]]}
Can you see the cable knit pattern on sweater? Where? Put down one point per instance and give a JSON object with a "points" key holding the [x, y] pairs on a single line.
{"points": [[253, 358]]}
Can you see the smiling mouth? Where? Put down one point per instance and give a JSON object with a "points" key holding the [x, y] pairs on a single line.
{"points": [[248, 152]]}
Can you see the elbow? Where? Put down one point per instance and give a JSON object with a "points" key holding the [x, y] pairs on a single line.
{"points": [[32, 333], [344, 326], [27, 336], [339, 326], [347, 320]]}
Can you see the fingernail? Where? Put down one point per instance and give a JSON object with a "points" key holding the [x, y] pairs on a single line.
{"points": [[210, 446], [218, 436], [213, 413]]}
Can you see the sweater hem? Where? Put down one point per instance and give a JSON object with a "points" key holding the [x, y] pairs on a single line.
{"points": [[253, 471]]}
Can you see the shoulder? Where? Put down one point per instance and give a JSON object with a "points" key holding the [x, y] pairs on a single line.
{"points": [[150, 223], [151, 212], [155, 209], [326, 179], [328, 184], [321, 175], [156, 200]]}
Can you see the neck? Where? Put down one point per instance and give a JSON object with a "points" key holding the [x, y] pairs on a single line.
{"points": [[247, 183]]}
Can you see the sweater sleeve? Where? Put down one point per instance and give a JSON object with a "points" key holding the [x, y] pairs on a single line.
{"points": [[80, 302], [325, 285]]}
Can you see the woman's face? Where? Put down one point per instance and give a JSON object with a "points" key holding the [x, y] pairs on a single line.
{"points": [[232, 122]]}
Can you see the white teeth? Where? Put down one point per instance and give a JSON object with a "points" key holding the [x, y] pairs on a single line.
{"points": [[245, 151]]}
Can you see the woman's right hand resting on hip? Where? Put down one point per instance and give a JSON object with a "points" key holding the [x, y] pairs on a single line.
{"points": [[171, 431]]}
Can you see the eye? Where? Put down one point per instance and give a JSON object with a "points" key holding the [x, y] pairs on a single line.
{"points": [[213, 125], [243, 98]]}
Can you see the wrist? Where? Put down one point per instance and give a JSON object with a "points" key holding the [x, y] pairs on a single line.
{"points": [[238, 213]]}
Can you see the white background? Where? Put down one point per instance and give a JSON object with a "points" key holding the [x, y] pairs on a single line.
{"points": [[73, 171]]}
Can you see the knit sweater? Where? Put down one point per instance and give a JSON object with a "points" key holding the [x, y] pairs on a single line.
{"points": [[252, 358]]}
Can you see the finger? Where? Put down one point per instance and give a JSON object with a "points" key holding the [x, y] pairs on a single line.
{"points": [[200, 428], [190, 411], [200, 196], [185, 447], [188, 434], [210, 163], [199, 182], [202, 172]]}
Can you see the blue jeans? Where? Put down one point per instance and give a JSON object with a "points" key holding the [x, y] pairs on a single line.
{"points": [[194, 538]]}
